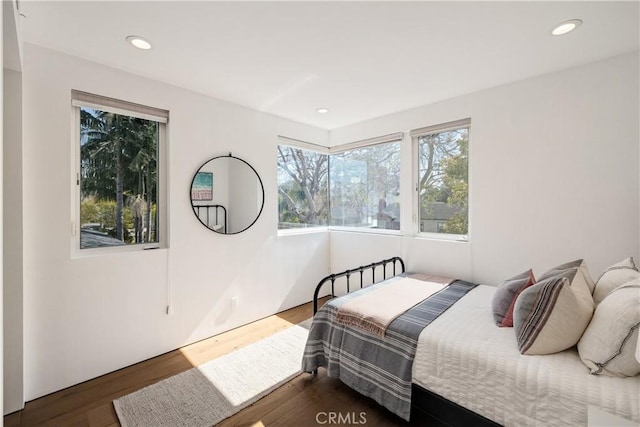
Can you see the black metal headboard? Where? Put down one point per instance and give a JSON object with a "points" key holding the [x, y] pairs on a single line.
{"points": [[348, 273], [208, 208]]}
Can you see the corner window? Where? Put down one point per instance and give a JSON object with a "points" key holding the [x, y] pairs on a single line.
{"points": [[365, 187], [302, 188], [443, 178], [119, 178]]}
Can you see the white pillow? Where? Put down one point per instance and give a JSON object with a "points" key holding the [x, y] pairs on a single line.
{"points": [[551, 315], [614, 276], [609, 343]]}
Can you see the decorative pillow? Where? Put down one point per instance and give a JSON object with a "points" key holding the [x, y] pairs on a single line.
{"points": [[579, 263], [551, 315], [614, 276], [608, 345], [504, 299]]}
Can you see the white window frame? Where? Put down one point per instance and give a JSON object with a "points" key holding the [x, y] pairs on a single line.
{"points": [[415, 135], [82, 99], [309, 146], [379, 140]]}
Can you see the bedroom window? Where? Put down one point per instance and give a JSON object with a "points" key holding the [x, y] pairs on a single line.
{"points": [[443, 178], [303, 200], [365, 184], [119, 176]]}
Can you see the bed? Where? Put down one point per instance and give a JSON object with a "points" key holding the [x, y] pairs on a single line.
{"points": [[464, 370]]}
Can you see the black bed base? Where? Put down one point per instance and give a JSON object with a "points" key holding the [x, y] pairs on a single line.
{"points": [[446, 411], [422, 400]]}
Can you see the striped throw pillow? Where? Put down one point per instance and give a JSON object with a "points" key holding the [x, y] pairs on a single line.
{"points": [[579, 264], [551, 315]]}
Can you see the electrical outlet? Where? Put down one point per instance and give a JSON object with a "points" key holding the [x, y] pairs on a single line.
{"points": [[235, 302]]}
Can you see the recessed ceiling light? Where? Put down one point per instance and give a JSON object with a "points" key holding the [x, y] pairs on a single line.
{"points": [[322, 110], [566, 27], [139, 42]]}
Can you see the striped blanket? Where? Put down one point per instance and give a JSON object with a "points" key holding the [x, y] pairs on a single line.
{"points": [[377, 367], [376, 310]]}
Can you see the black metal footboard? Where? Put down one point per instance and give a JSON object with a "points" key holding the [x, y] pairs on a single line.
{"points": [[348, 273]]}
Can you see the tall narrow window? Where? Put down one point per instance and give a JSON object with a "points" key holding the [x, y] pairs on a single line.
{"points": [[302, 188], [119, 170], [365, 187], [443, 177]]}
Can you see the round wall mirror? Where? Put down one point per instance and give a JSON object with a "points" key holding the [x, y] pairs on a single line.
{"points": [[227, 195]]}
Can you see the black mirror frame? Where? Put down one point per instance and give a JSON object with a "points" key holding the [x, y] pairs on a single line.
{"points": [[259, 181]]}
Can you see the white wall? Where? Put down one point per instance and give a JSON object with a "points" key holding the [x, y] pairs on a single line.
{"points": [[90, 315], [11, 351], [12, 241], [1, 194], [553, 176]]}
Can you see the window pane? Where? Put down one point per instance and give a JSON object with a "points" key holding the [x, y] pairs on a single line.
{"points": [[302, 188], [365, 187], [444, 182], [118, 179]]}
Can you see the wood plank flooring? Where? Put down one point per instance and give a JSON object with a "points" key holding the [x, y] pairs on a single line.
{"points": [[304, 401]]}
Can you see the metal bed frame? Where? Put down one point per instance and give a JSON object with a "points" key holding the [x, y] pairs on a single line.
{"points": [[347, 273], [196, 209], [422, 400]]}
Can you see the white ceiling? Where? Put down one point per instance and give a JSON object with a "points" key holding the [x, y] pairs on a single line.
{"points": [[360, 59]]}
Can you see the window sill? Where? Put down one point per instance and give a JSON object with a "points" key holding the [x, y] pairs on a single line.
{"points": [[367, 230], [116, 250], [299, 231], [453, 238]]}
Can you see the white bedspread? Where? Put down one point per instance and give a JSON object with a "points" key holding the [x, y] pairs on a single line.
{"points": [[464, 357]]}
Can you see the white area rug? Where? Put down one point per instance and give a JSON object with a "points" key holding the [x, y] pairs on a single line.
{"points": [[213, 391]]}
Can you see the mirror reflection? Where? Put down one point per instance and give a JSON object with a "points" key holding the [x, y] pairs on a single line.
{"points": [[227, 195]]}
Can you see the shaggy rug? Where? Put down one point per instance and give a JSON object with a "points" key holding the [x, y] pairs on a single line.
{"points": [[207, 394]]}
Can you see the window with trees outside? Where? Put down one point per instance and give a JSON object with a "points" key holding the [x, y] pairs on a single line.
{"points": [[365, 187], [302, 188], [118, 174], [443, 178]]}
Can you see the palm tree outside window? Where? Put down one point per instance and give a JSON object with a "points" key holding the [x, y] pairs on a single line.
{"points": [[118, 178]]}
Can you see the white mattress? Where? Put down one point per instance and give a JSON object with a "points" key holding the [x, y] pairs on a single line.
{"points": [[464, 357]]}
